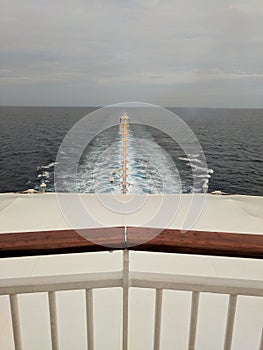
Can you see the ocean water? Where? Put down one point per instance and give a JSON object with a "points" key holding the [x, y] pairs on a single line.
{"points": [[231, 139]]}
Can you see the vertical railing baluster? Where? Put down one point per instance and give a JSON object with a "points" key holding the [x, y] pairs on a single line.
{"points": [[53, 320], [125, 299], [230, 321], [15, 321], [261, 341], [158, 317], [89, 315], [193, 320]]}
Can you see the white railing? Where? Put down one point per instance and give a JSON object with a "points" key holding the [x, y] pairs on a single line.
{"points": [[126, 279]]}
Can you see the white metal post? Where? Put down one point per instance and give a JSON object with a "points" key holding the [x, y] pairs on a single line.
{"points": [[15, 321], [230, 321], [193, 320], [89, 315], [261, 341], [53, 319], [125, 313], [158, 317]]}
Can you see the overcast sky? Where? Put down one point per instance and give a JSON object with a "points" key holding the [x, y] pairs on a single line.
{"points": [[99, 52]]}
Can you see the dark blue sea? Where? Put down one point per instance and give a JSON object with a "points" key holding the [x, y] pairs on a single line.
{"points": [[231, 139]]}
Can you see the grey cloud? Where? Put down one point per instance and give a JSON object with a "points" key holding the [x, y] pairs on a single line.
{"points": [[121, 50]]}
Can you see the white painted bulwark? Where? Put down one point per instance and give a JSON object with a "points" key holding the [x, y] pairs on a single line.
{"points": [[43, 212]]}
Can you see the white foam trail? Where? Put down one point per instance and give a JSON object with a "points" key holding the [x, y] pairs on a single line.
{"points": [[193, 155], [190, 160], [196, 167], [50, 165], [44, 174], [149, 169], [204, 176]]}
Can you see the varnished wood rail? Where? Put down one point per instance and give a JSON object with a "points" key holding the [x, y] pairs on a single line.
{"points": [[142, 239]]}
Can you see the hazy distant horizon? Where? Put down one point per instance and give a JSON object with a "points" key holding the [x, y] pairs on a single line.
{"points": [[97, 107]]}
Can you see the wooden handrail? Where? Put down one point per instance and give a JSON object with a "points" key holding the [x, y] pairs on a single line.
{"points": [[60, 242], [199, 242], [140, 239]]}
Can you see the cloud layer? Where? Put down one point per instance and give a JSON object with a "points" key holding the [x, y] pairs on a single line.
{"points": [[99, 52]]}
